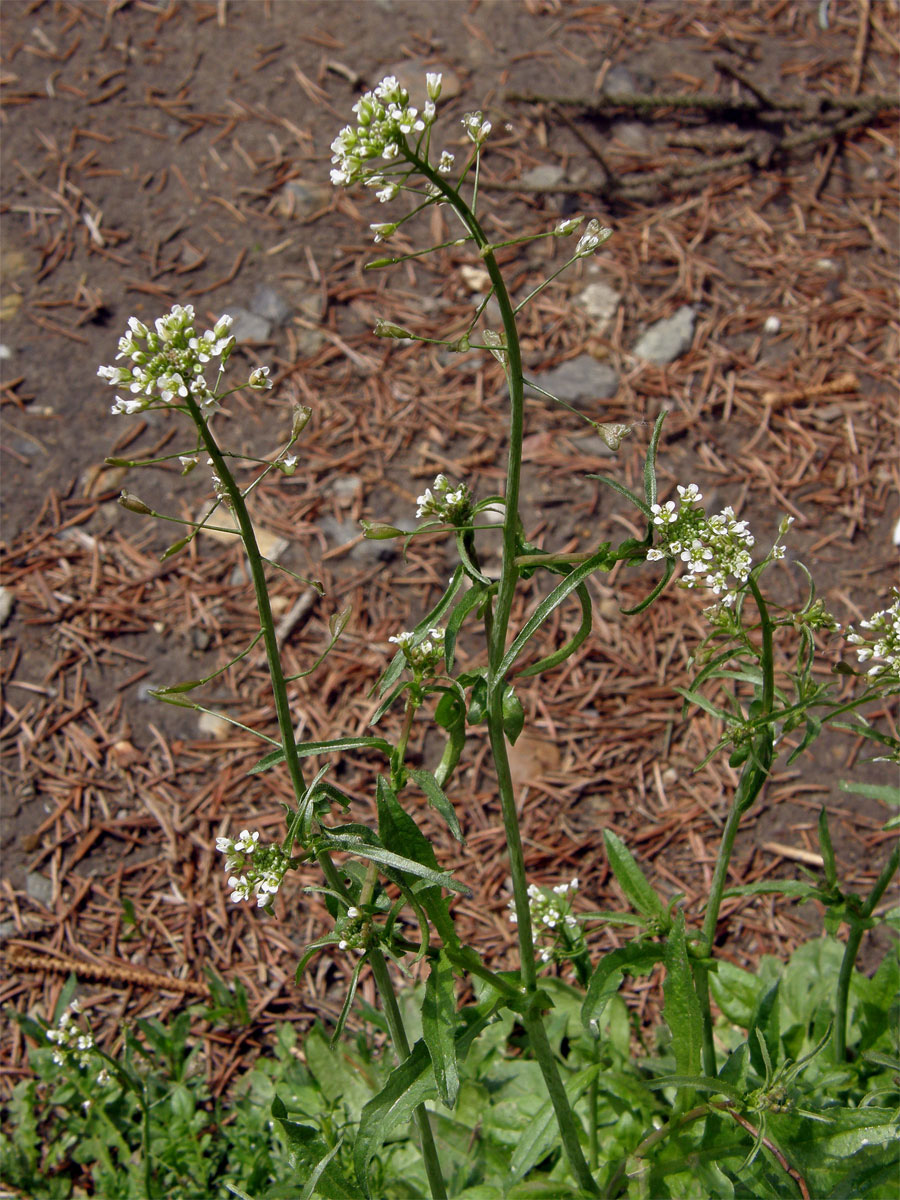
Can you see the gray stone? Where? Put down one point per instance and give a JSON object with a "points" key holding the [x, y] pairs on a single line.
{"points": [[619, 81], [301, 199], [592, 446], [339, 533], [39, 888], [546, 176], [267, 303], [6, 604], [580, 379], [599, 301], [633, 135], [249, 326], [663, 342]]}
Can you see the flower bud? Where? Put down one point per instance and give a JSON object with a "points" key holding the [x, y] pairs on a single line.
{"points": [[384, 329], [377, 531], [135, 504], [301, 416]]}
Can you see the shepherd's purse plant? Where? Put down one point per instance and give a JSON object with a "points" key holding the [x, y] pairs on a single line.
{"points": [[780, 1083]]}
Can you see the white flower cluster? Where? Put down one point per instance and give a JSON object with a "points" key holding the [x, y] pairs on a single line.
{"points": [[424, 656], [714, 548], [476, 127], [254, 870], [72, 1043], [551, 911], [352, 929], [384, 119], [167, 362], [884, 652], [594, 235], [446, 502]]}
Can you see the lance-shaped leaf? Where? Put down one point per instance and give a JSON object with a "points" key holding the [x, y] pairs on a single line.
{"points": [[450, 714], [307, 749], [409, 1084], [513, 714], [542, 1133], [682, 1008], [633, 882], [598, 560], [638, 958], [439, 1025], [650, 461], [472, 598], [398, 662], [355, 843], [437, 799], [560, 655], [311, 1155]]}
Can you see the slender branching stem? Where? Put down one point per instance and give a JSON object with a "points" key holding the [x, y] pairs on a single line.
{"points": [[260, 587], [400, 1042], [859, 922], [512, 361]]}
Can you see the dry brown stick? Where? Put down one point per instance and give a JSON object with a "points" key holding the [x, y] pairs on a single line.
{"points": [[53, 960], [644, 101], [859, 50]]}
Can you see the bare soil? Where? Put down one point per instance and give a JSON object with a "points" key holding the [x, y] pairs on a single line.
{"points": [[160, 153]]}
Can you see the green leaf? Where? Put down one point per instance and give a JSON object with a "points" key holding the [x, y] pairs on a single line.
{"points": [[472, 598], [778, 887], [437, 799], [306, 749], [541, 1134], [465, 558], [568, 585], [478, 701], [435, 617], [886, 793], [657, 591], [624, 491], [650, 461], [354, 843], [398, 831], [439, 1024], [409, 1085], [827, 850], [558, 656], [765, 1024], [701, 1083], [682, 1008], [634, 883], [513, 714], [638, 958], [311, 1155], [450, 714]]}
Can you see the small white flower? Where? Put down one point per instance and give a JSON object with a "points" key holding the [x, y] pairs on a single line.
{"points": [[433, 85], [388, 192], [259, 379]]}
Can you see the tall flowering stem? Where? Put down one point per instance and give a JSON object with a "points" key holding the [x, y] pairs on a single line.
{"points": [[260, 587], [511, 357]]}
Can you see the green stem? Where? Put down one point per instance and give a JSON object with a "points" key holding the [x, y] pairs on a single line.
{"points": [[145, 1144], [753, 777], [260, 586], [509, 576], [858, 926], [396, 1028], [401, 1046]]}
